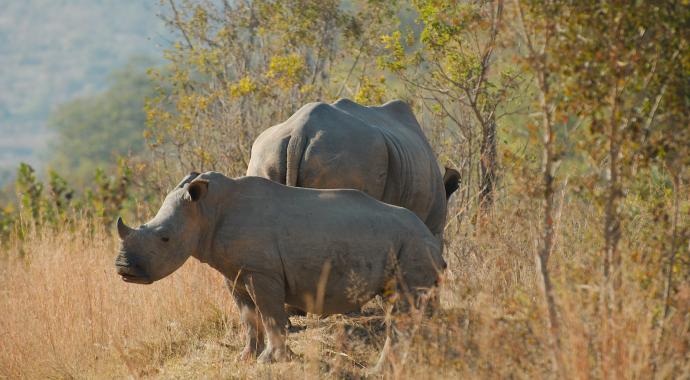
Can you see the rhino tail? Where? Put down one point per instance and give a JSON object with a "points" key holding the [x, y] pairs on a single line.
{"points": [[451, 181], [295, 151]]}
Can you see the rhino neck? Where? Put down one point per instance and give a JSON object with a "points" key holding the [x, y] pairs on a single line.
{"points": [[214, 210], [235, 214], [203, 251]]}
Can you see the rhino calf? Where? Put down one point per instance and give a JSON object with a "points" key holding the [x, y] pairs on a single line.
{"points": [[321, 251]]}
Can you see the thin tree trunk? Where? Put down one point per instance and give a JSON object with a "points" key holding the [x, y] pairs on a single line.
{"points": [[539, 60], [612, 232], [488, 166], [674, 247], [668, 286], [547, 227]]}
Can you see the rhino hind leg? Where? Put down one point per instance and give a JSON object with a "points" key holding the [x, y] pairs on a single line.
{"points": [[414, 277]]}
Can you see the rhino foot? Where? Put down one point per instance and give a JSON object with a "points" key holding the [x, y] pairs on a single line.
{"points": [[249, 352], [272, 354]]}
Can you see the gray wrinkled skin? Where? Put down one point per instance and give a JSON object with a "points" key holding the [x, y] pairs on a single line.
{"points": [[274, 243], [381, 151]]}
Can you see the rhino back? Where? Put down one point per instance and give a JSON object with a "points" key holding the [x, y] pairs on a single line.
{"points": [[338, 152], [379, 150], [414, 180], [268, 153], [344, 236], [395, 115]]}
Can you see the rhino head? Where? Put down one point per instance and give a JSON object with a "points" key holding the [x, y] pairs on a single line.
{"points": [[156, 249]]}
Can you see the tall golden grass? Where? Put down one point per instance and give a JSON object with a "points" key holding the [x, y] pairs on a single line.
{"points": [[64, 313]]}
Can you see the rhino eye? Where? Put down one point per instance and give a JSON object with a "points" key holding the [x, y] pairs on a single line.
{"points": [[165, 239]]}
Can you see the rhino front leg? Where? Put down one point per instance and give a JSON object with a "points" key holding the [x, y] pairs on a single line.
{"points": [[253, 327], [269, 296], [254, 331]]}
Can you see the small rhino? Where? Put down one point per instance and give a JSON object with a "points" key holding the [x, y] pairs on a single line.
{"points": [[320, 251]]}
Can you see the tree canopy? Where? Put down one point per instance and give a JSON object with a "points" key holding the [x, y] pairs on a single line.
{"points": [[93, 131]]}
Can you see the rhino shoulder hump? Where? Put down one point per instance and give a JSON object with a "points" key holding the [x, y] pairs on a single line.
{"points": [[318, 108], [401, 111], [345, 102], [348, 105], [312, 115], [397, 106]]}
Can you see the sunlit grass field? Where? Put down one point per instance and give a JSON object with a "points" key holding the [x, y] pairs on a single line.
{"points": [[66, 314]]}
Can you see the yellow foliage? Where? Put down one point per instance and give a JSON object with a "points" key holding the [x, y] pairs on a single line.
{"points": [[371, 92], [286, 70], [243, 87]]}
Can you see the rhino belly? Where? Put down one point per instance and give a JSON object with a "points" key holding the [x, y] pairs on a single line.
{"points": [[352, 278]]}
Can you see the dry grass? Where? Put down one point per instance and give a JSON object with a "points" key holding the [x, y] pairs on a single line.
{"points": [[66, 314]]}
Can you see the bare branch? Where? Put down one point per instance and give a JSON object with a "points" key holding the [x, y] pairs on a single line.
{"points": [[178, 23]]}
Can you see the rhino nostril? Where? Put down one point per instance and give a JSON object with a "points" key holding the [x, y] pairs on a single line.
{"points": [[130, 270], [123, 262], [126, 261]]}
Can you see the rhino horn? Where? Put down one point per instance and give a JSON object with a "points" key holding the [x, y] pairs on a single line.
{"points": [[122, 228]]}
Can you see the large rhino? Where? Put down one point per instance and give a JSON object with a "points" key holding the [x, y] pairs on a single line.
{"points": [[322, 251], [379, 150]]}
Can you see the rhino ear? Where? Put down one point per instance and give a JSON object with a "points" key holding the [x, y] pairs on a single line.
{"points": [[189, 178], [197, 189]]}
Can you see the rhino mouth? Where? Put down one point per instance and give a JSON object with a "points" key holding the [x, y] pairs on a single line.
{"points": [[136, 279], [133, 274]]}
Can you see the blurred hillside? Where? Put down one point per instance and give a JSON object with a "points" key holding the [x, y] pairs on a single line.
{"points": [[54, 51]]}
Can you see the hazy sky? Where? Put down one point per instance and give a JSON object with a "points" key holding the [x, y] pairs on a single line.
{"points": [[54, 50]]}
